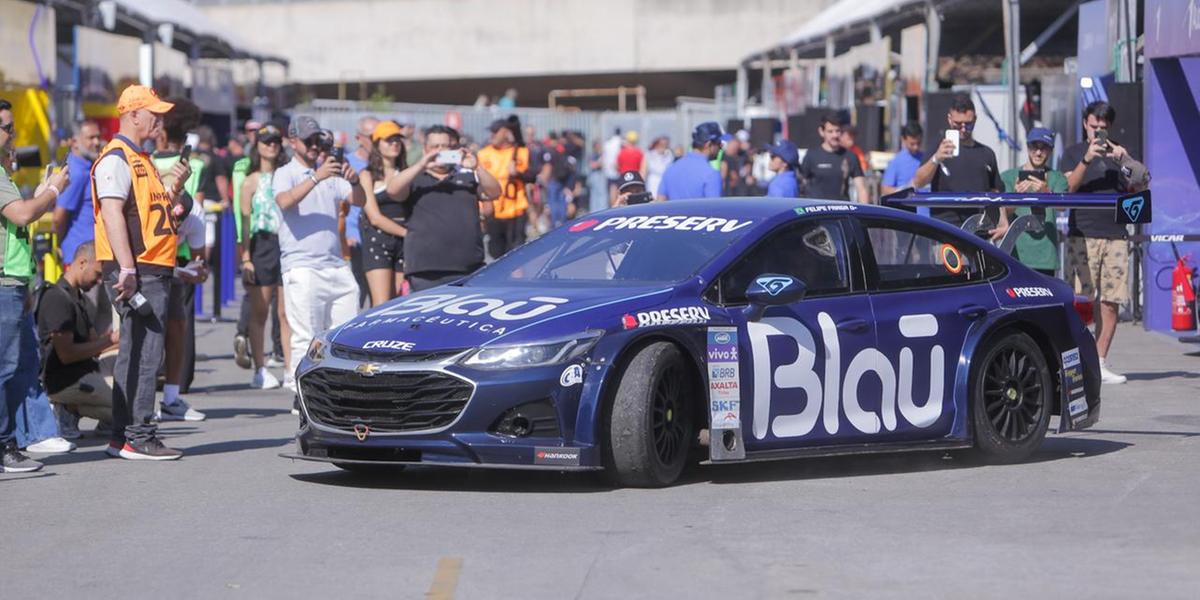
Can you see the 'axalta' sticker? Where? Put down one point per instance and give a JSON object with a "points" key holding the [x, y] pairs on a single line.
{"points": [[561, 456], [684, 315], [572, 375], [1074, 395], [724, 381]]}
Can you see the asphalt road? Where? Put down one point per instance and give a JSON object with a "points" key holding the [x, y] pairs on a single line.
{"points": [[1108, 513]]}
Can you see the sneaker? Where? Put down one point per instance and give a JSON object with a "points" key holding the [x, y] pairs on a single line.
{"points": [[241, 351], [1107, 376], [289, 382], [180, 411], [275, 361], [68, 423], [264, 380], [296, 406], [15, 462], [54, 445], [151, 449], [114, 448]]}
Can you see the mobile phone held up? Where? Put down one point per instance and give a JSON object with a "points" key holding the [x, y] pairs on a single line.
{"points": [[1102, 137], [190, 142], [1022, 175], [450, 157], [954, 136], [339, 154], [638, 198]]}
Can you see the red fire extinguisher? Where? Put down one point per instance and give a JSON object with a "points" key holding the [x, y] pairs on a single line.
{"points": [[1183, 297]]}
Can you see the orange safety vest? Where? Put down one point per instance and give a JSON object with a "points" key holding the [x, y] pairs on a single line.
{"points": [[512, 202], [147, 213]]}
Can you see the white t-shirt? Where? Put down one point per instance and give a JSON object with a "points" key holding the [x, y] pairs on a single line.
{"points": [[113, 179], [308, 234], [193, 230]]}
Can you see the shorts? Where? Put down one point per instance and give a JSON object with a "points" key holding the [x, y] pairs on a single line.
{"points": [[264, 255], [381, 250], [1098, 266], [180, 298]]}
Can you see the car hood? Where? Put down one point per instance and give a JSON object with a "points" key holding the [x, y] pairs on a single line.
{"points": [[449, 317]]}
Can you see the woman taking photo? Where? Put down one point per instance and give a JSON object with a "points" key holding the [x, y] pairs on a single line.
{"points": [[260, 256], [383, 226]]}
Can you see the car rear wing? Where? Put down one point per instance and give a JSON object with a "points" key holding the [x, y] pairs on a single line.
{"points": [[1128, 209]]}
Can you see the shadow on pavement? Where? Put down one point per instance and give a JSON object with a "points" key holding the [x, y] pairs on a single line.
{"points": [[234, 446], [254, 413], [7, 477], [1155, 376], [451, 479], [459, 479]]}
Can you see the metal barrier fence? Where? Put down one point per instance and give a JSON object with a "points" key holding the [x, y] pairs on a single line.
{"points": [[676, 124]]}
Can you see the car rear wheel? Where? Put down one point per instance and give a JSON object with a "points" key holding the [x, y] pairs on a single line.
{"points": [[1011, 399], [650, 426]]}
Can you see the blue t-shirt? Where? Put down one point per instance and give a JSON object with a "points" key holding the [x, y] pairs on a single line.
{"points": [[783, 185], [355, 213], [77, 200], [900, 171], [690, 177]]}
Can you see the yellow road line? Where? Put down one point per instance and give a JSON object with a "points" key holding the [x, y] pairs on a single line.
{"points": [[445, 579]]}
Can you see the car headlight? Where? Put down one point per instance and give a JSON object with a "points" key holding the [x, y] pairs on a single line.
{"points": [[316, 350], [532, 355]]}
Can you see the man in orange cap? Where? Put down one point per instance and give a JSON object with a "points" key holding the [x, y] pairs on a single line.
{"points": [[135, 244]]}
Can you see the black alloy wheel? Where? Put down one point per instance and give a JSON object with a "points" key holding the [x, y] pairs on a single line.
{"points": [[669, 420], [1012, 395]]}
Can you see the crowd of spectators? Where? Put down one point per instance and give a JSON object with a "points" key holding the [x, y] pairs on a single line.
{"points": [[325, 230]]}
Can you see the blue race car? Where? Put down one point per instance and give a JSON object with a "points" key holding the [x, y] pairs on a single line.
{"points": [[749, 329]]}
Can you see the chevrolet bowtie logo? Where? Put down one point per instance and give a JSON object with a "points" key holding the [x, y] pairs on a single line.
{"points": [[368, 369]]}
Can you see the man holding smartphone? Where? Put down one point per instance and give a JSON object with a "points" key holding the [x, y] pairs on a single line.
{"points": [[319, 289], [1097, 249], [964, 165], [632, 189], [1037, 248], [442, 192]]}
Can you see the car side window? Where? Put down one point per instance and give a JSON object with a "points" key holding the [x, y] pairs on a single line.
{"points": [[911, 256], [813, 251]]}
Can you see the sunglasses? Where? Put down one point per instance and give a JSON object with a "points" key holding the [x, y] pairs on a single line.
{"points": [[963, 125], [8, 128], [395, 139]]}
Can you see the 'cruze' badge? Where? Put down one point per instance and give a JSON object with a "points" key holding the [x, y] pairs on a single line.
{"points": [[368, 369]]}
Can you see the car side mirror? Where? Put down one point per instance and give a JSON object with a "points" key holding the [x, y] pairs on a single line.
{"points": [[772, 289]]}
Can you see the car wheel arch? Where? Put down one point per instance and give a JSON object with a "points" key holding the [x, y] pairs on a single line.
{"points": [[1015, 322]]}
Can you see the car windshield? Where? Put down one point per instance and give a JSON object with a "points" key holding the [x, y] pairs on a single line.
{"points": [[620, 251]]}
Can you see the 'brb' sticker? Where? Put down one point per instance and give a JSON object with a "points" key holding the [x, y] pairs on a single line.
{"points": [[952, 259]]}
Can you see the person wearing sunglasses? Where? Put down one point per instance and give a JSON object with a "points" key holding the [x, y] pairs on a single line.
{"points": [[968, 166]]}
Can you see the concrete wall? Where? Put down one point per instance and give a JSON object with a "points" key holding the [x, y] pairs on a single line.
{"points": [[398, 40]]}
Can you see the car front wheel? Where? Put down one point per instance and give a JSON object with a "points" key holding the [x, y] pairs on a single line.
{"points": [[651, 424]]}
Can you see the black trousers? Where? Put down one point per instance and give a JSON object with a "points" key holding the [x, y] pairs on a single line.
{"points": [[505, 234]]}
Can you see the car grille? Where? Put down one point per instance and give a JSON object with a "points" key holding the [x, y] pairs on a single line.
{"points": [[390, 356], [387, 402]]}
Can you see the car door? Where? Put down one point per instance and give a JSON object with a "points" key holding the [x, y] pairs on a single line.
{"points": [[793, 357], [928, 288]]}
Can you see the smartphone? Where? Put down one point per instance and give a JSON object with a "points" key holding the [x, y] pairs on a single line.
{"points": [[1102, 137], [638, 198], [1038, 173], [49, 171], [449, 157], [953, 135], [185, 153], [339, 154]]}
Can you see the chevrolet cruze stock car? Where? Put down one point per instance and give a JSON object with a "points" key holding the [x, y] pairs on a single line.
{"points": [[639, 339]]}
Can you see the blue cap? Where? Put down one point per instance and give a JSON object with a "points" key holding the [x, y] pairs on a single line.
{"points": [[707, 131], [1040, 134], [787, 151]]}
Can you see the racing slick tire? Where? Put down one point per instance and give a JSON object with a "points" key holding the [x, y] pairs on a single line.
{"points": [[368, 469], [650, 425], [1011, 398]]}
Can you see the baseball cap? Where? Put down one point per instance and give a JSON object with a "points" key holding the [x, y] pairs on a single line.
{"points": [[385, 130], [631, 137], [303, 127], [787, 151], [707, 131], [269, 133], [138, 97], [630, 178], [1040, 134]]}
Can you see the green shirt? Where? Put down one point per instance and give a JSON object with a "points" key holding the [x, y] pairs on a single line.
{"points": [[1037, 248], [240, 170], [16, 254]]}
